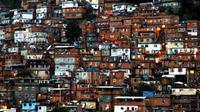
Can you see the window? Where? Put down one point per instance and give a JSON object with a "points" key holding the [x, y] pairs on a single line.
{"points": [[115, 50], [180, 70], [135, 80], [171, 70], [155, 45], [20, 95], [194, 24], [133, 108], [26, 95], [122, 108], [163, 101], [26, 88]]}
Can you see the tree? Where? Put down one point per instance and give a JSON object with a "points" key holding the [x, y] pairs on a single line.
{"points": [[25, 73], [60, 109], [13, 4], [145, 87], [89, 15], [73, 32], [189, 10]]}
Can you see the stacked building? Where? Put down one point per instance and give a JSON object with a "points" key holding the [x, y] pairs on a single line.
{"points": [[127, 58]]}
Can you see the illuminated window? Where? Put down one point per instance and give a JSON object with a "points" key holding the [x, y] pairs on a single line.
{"points": [[20, 88]]}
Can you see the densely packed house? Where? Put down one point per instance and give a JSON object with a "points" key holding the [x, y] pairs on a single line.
{"points": [[121, 57]]}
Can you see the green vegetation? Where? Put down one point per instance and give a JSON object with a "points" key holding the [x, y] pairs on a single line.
{"points": [[12, 4], [60, 109], [145, 87], [189, 10], [73, 31], [25, 73], [89, 14]]}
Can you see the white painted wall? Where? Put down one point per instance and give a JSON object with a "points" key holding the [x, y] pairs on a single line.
{"points": [[62, 73], [41, 10], [122, 108], [13, 50], [42, 109], [9, 110], [33, 56], [25, 36], [62, 67], [69, 4], [118, 7], [171, 4], [2, 35], [183, 50], [151, 48], [34, 39], [95, 6], [19, 36], [93, 1], [27, 16], [119, 52], [123, 7], [130, 8], [174, 45], [82, 75], [40, 73], [193, 33], [41, 15], [65, 60], [184, 91], [23, 52], [22, 16], [175, 71]]}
